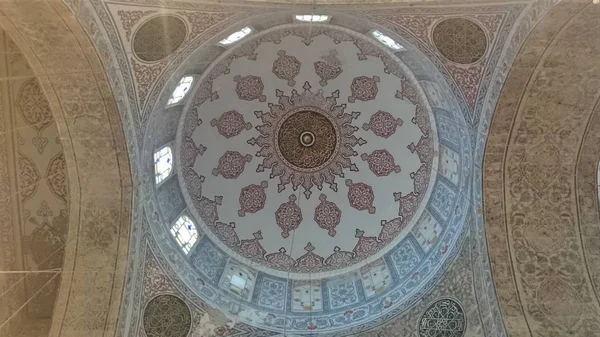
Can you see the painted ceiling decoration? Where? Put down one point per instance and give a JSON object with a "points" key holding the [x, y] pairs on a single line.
{"points": [[329, 178], [268, 154]]}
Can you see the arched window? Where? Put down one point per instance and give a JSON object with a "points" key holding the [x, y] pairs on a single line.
{"points": [[163, 163], [386, 40], [312, 18], [240, 34], [185, 233], [181, 90]]}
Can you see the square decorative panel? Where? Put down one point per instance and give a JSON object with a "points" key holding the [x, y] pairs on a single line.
{"points": [[342, 292], [375, 278], [449, 162], [427, 231], [307, 296], [271, 292]]}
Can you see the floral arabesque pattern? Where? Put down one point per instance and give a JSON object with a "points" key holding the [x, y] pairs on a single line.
{"points": [[252, 198], [381, 163], [230, 124], [327, 215], [249, 88], [364, 88], [360, 196], [328, 67], [288, 216], [286, 67], [382, 124], [231, 164]]}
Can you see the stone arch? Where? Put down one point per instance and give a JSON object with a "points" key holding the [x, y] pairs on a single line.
{"points": [[72, 78]]}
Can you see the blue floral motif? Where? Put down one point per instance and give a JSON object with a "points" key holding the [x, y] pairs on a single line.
{"points": [[442, 200], [208, 260], [404, 258], [272, 294], [342, 294]]}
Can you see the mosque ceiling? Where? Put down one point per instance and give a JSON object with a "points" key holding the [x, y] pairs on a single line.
{"points": [[455, 191]]}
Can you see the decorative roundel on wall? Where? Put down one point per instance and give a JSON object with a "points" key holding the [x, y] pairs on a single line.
{"points": [[460, 40], [443, 318], [167, 316], [159, 37]]}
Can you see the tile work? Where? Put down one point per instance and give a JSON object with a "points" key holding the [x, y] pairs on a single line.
{"points": [[540, 207], [65, 189]]}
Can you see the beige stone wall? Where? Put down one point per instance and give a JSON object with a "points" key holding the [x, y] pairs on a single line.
{"points": [[540, 206], [50, 67]]}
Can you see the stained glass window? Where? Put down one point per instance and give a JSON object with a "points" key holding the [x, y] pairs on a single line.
{"points": [[185, 233], [181, 90], [240, 34], [312, 18], [386, 40], [163, 163]]}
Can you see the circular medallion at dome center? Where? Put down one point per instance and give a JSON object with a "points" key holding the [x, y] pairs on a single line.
{"points": [[306, 140]]}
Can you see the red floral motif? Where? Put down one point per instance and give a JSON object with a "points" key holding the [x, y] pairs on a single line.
{"points": [[286, 67], [252, 248], [391, 229], [288, 216], [383, 124], [366, 246], [327, 215], [230, 124], [231, 164], [363, 89], [408, 92], [408, 205], [194, 183], [249, 88], [468, 79], [328, 68], [420, 179], [280, 260], [189, 152], [252, 198], [423, 148], [309, 261], [421, 119], [381, 163], [339, 258], [360, 196], [226, 233], [208, 208]]}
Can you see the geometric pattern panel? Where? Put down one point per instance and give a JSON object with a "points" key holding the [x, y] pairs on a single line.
{"points": [[443, 318], [167, 316]]}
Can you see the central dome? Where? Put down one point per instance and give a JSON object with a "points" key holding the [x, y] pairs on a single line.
{"points": [[313, 158], [309, 161]]}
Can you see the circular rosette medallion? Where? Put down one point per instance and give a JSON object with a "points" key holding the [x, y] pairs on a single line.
{"points": [[307, 139]]}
